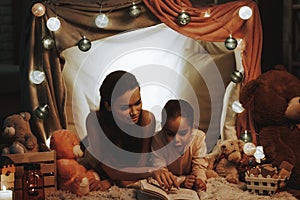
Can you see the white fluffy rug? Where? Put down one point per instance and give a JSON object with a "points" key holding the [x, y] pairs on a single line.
{"points": [[217, 189]]}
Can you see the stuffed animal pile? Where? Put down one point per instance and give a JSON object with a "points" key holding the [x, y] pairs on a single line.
{"points": [[16, 136], [72, 176], [225, 163], [273, 100]]}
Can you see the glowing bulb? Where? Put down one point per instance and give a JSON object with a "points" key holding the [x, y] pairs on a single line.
{"points": [[259, 153], [37, 77], [53, 24], [237, 107], [38, 9], [245, 12], [249, 148], [101, 20]]}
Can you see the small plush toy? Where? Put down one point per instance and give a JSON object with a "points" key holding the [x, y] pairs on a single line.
{"points": [[226, 162], [17, 136], [72, 176], [273, 100]]}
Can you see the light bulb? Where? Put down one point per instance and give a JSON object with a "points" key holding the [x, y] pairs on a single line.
{"points": [[135, 10], [38, 9], [101, 20], [245, 12], [259, 154], [53, 24], [246, 136], [84, 44], [183, 18], [237, 107], [249, 148], [42, 111], [230, 43], [48, 42], [36, 77], [236, 76]]}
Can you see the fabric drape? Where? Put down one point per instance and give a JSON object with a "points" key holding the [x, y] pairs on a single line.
{"points": [[77, 16]]}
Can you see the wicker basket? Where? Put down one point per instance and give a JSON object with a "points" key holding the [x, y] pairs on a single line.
{"points": [[261, 185]]}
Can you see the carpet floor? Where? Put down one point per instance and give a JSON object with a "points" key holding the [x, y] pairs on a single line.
{"points": [[217, 189]]}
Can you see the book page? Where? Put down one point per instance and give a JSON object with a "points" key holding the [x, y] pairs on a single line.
{"points": [[153, 190], [173, 194], [182, 194]]}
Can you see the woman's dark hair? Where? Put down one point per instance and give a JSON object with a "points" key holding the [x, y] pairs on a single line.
{"points": [[116, 84], [175, 108]]}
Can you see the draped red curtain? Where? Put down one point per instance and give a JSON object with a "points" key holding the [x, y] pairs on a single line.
{"points": [[76, 17]]}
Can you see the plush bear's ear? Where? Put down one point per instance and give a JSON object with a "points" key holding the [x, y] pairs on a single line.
{"points": [[247, 93], [26, 115]]}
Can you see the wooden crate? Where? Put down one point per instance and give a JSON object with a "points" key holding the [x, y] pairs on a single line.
{"points": [[46, 159]]}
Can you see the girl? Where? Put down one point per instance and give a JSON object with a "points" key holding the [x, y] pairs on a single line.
{"points": [[179, 148]]}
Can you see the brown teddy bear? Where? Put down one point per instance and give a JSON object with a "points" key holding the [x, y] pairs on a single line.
{"points": [[225, 162], [273, 100], [17, 136], [72, 176]]}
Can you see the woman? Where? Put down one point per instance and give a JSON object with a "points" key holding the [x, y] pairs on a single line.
{"points": [[120, 131]]}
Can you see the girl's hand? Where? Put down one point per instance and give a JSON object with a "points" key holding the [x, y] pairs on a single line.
{"points": [[199, 184], [165, 178], [189, 181]]}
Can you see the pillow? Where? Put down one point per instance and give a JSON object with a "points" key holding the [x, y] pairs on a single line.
{"points": [[167, 65]]}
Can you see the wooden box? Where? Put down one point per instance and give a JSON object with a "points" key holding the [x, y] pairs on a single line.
{"points": [[46, 159]]}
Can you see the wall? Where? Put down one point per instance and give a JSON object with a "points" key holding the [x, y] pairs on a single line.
{"points": [[11, 22]]}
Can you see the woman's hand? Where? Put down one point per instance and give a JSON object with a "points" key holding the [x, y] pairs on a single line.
{"points": [[189, 181], [165, 178]]}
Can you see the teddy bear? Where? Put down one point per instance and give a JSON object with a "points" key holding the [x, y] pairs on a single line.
{"points": [[225, 161], [73, 176], [16, 136], [273, 101]]}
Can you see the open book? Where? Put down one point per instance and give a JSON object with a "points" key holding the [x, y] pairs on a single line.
{"points": [[152, 191]]}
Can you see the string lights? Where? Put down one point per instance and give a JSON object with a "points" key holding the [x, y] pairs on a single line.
{"points": [[236, 76], [183, 18], [48, 42], [37, 76], [42, 111], [53, 24], [84, 44], [237, 107], [135, 10], [245, 12], [38, 9], [101, 20]]}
